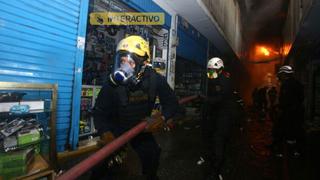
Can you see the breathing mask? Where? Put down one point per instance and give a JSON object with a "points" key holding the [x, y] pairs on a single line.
{"points": [[128, 69], [212, 73]]}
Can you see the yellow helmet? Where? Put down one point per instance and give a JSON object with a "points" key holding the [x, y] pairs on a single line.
{"points": [[135, 44]]}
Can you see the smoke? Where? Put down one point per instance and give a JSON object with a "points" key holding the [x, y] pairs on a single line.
{"points": [[257, 14], [262, 22]]}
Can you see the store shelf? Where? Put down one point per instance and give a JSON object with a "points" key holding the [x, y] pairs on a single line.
{"points": [[37, 166], [89, 94], [188, 81], [27, 128]]}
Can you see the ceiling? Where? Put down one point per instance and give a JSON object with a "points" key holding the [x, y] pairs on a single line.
{"points": [[197, 17], [262, 20]]}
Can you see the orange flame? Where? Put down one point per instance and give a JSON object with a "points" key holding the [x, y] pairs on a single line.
{"points": [[286, 49], [264, 51]]}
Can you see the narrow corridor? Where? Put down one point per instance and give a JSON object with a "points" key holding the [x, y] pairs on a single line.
{"points": [[249, 156]]}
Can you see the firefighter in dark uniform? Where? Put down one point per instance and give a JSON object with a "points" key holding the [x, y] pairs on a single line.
{"points": [[220, 103], [128, 97], [289, 127], [272, 99]]}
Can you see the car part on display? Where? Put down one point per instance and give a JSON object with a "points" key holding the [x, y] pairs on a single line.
{"points": [[31, 124], [1, 138], [10, 143], [3, 125], [13, 127], [16, 163], [26, 137]]}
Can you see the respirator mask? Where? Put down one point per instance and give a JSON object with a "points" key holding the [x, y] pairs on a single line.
{"points": [[212, 73], [128, 69]]}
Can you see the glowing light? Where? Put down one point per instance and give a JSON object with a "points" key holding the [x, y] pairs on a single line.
{"points": [[286, 49], [264, 51]]}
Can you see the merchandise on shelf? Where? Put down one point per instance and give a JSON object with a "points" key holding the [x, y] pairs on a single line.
{"points": [[189, 79], [89, 95], [10, 143], [16, 163], [28, 136], [13, 127], [26, 128]]}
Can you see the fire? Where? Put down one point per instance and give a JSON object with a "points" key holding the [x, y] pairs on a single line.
{"points": [[286, 49], [265, 51]]}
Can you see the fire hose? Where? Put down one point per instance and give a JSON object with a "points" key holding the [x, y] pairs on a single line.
{"points": [[108, 149]]}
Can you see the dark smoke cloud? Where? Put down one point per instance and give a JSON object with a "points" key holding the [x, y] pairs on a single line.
{"points": [[258, 14], [262, 22]]}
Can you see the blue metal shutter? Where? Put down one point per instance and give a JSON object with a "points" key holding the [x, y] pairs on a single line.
{"points": [[192, 45], [38, 44]]}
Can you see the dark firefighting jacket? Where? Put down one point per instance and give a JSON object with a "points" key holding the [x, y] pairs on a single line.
{"points": [[291, 95], [125, 106], [291, 99], [220, 92]]}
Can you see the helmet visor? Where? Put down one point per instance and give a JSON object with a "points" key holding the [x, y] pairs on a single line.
{"points": [[127, 65], [124, 66]]}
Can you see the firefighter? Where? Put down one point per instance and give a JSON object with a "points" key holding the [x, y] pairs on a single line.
{"points": [[128, 97], [272, 98], [289, 126], [218, 117], [262, 103]]}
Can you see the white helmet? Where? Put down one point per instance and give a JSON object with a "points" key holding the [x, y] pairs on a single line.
{"points": [[215, 63], [285, 69]]}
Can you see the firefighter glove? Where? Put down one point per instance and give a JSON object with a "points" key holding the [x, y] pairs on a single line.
{"points": [[105, 138], [155, 122]]}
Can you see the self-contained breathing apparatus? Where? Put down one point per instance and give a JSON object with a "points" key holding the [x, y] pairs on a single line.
{"points": [[132, 57]]}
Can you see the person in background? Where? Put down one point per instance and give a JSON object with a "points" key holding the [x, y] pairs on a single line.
{"points": [[239, 114], [128, 97], [262, 103], [289, 127], [255, 99], [220, 103], [272, 102]]}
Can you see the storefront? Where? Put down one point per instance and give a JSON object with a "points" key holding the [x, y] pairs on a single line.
{"points": [[38, 47], [192, 55], [101, 42], [41, 49]]}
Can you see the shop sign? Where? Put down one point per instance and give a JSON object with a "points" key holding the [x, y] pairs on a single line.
{"points": [[127, 18]]}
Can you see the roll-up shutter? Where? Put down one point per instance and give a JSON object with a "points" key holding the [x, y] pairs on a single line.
{"points": [[41, 42], [192, 44]]}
